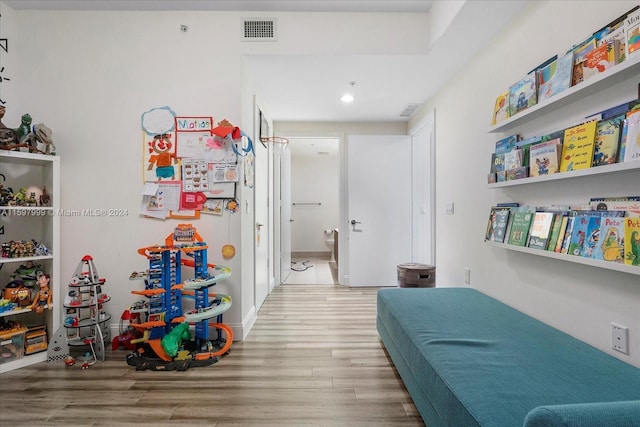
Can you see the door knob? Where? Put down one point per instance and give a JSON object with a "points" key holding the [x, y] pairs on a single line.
{"points": [[354, 222]]}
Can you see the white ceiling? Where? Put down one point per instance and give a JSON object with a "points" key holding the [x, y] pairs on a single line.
{"points": [[307, 87]]}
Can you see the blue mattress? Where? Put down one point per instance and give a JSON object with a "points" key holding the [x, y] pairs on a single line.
{"points": [[470, 360]]}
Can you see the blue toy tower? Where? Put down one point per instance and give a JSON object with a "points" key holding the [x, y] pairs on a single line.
{"points": [[165, 346]]}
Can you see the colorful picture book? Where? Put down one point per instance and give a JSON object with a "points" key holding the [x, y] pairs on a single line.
{"points": [[600, 59], [607, 142], [526, 145], [579, 231], [544, 158], [523, 94], [497, 226], [579, 55], [540, 230], [519, 227], [560, 234], [611, 240], [632, 241], [632, 24], [517, 173], [578, 147], [506, 144], [513, 159], [555, 77], [566, 240], [630, 138], [591, 236], [618, 35], [501, 109]]}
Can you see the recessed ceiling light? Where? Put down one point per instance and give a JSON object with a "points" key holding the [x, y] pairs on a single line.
{"points": [[348, 97]]}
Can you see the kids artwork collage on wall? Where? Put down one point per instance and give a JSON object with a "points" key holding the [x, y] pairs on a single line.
{"points": [[190, 165]]}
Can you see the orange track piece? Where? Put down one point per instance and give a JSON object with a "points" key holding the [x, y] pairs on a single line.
{"points": [[149, 292], [224, 349], [147, 325], [156, 346]]}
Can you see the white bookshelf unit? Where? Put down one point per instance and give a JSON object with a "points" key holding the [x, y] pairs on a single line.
{"points": [[626, 71], [42, 224]]}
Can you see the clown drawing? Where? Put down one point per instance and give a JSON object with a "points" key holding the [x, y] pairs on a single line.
{"points": [[158, 125]]}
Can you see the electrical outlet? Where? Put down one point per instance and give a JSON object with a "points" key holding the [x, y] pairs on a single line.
{"points": [[620, 338], [467, 275]]}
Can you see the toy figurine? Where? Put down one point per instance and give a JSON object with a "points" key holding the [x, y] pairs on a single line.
{"points": [[25, 127], [45, 198], [44, 296]]}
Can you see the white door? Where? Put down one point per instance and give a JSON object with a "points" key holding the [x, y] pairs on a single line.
{"points": [[285, 214], [379, 219]]}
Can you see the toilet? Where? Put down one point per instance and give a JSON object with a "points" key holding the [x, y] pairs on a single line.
{"points": [[330, 241]]}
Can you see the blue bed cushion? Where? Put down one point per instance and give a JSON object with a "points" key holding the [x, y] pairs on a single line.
{"points": [[480, 362], [586, 415]]}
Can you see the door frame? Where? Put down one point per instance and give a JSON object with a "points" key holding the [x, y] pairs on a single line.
{"points": [[424, 196]]}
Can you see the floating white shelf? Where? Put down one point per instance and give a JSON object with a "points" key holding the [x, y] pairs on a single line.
{"points": [[625, 268], [608, 169], [618, 73]]}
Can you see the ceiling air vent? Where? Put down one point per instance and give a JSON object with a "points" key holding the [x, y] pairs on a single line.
{"points": [[259, 30], [409, 110]]}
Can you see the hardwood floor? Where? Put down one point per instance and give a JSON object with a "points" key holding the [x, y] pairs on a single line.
{"points": [[312, 359]]}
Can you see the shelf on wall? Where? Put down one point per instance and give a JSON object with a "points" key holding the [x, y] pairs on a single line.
{"points": [[625, 268], [597, 170], [621, 71], [24, 259], [18, 311], [28, 158]]}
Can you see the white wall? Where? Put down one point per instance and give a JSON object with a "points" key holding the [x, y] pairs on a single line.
{"points": [[580, 300], [314, 179]]}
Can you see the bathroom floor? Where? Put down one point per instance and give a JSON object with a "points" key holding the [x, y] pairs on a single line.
{"points": [[312, 271]]}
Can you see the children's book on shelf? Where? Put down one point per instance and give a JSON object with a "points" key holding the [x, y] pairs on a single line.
{"points": [[632, 24], [540, 230], [632, 241], [617, 35], [501, 176], [517, 173], [523, 94], [608, 133], [618, 110], [501, 109], [498, 220], [562, 229], [600, 59], [491, 178], [630, 138], [610, 246], [629, 204], [519, 225], [506, 144], [591, 236], [555, 77], [579, 54], [578, 147], [526, 145], [544, 158], [566, 240], [513, 159], [579, 231], [497, 162]]}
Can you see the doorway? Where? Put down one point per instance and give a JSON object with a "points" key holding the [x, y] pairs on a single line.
{"points": [[315, 209]]}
